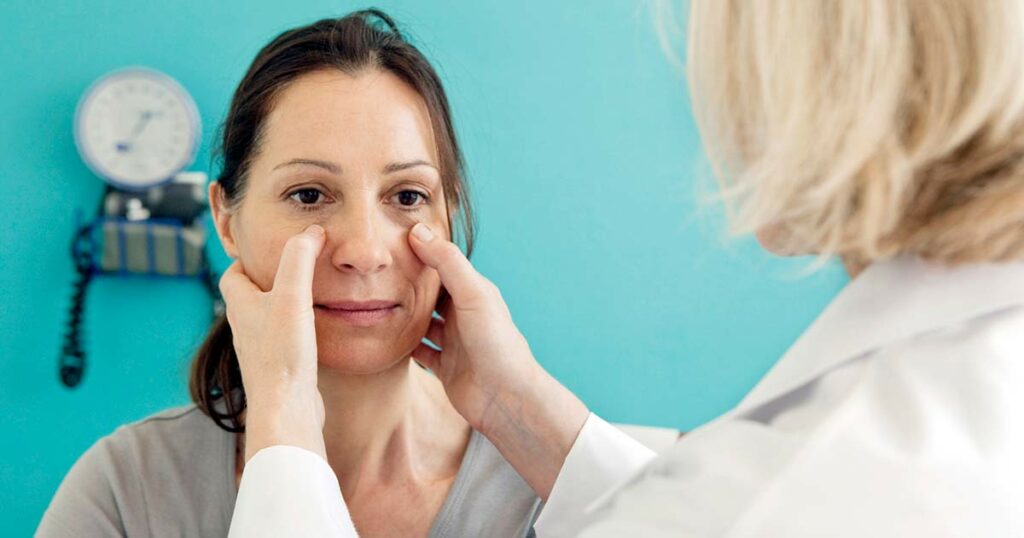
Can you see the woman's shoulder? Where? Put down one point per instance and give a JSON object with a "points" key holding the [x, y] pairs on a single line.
{"points": [[170, 468], [488, 498], [179, 432]]}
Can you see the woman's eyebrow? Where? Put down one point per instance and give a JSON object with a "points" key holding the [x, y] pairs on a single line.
{"points": [[326, 165], [398, 167]]}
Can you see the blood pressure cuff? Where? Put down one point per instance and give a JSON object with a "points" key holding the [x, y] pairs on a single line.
{"points": [[152, 246]]}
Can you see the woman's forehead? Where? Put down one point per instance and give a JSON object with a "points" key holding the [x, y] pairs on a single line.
{"points": [[333, 113]]}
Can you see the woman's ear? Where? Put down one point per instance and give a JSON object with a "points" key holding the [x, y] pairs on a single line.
{"points": [[222, 219]]}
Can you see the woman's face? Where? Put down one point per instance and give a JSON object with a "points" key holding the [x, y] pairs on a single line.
{"points": [[356, 155]]}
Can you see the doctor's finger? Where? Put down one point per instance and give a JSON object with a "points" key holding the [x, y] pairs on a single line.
{"points": [[294, 278], [467, 287], [235, 285], [429, 357], [435, 333]]}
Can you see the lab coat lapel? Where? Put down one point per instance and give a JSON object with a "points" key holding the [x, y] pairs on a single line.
{"points": [[890, 301]]}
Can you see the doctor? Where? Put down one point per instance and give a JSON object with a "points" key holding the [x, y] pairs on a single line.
{"points": [[888, 133]]}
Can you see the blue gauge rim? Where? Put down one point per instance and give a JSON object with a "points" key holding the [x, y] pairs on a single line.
{"points": [[146, 72]]}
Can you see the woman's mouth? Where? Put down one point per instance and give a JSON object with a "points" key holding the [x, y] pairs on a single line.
{"points": [[358, 313]]}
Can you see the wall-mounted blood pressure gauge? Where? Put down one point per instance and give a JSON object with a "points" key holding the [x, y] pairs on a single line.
{"points": [[136, 128]]}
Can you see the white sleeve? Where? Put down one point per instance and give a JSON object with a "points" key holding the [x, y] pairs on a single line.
{"points": [[602, 458], [289, 491]]}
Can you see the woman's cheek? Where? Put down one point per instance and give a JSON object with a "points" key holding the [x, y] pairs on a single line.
{"points": [[414, 264], [425, 280], [262, 261]]}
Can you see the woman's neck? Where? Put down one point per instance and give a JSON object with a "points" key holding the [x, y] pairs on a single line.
{"points": [[392, 426]]}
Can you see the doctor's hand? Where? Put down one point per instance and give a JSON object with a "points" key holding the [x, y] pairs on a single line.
{"points": [[489, 372], [275, 339]]}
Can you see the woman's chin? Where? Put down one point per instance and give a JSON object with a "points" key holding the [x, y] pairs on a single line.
{"points": [[356, 359]]}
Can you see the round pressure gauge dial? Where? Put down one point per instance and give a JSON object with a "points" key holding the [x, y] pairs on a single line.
{"points": [[136, 128]]}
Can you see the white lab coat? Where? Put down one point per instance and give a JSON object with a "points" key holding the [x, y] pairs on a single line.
{"points": [[899, 412]]}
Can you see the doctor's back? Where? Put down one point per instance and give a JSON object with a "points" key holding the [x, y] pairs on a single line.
{"points": [[888, 133]]}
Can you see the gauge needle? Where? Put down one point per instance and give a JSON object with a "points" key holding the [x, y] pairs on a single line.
{"points": [[144, 118]]}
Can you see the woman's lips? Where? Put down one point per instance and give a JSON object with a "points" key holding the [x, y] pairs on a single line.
{"points": [[359, 313]]}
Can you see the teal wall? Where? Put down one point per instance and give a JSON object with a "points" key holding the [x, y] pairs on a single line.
{"points": [[584, 160]]}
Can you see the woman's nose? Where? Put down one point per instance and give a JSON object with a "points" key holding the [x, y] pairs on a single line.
{"points": [[359, 246]]}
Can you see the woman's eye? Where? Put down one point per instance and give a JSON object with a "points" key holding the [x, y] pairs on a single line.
{"points": [[410, 198], [307, 196]]}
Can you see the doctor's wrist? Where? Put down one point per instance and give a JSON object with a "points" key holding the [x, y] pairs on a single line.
{"points": [[285, 418], [535, 426]]}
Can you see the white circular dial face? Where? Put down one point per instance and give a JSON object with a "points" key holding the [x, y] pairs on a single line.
{"points": [[136, 128]]}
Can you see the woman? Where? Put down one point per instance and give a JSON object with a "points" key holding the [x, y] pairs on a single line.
{"points": [[340, 128], [888, 133]]}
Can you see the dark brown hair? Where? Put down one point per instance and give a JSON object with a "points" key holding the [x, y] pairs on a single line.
{"points": [[361, 41]]}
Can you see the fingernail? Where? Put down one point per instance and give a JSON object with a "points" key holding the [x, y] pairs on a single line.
{"points": [[316, 229], [422, 232]]}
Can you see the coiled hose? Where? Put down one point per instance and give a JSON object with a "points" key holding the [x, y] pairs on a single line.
{"points": [[71, 365]]}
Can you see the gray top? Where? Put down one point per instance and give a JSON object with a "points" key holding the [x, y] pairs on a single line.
{"points": [[173, 474]]}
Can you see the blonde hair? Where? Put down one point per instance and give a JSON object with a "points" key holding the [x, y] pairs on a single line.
{"points": [[866, 128]]}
